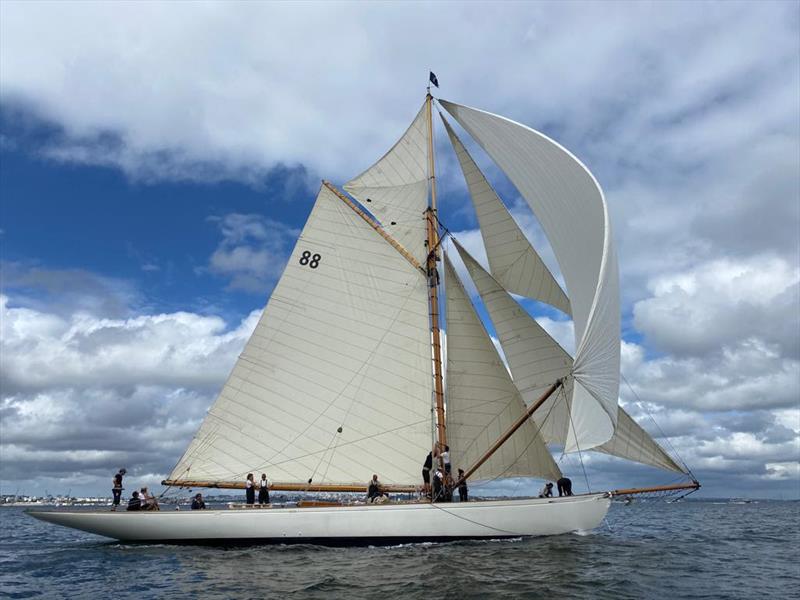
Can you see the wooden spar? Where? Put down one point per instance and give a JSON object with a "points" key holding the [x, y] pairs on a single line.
{"points": [[433, 288], [694, 485], [381, 231], [510, 431], [288, 487]]}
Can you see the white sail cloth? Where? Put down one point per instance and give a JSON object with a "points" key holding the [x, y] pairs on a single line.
{"points": [[482, 401], [343, 343], [513, 261], [570, 206], [395, 189], [535, 359]]}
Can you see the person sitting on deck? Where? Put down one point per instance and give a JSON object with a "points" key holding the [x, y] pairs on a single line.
{"points": [[250, 490], [564, 486], [547, 491], [198, 503], [148, 502], [463, 492], [374, 490], [135, 503]]}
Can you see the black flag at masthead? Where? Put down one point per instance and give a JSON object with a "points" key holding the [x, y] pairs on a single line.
{"points": [[433, 79]]}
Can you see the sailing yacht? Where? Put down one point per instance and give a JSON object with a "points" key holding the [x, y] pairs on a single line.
{"points": [[346, 374]]}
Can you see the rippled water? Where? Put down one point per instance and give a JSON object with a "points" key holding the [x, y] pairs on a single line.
{"points": [[647, 550]]}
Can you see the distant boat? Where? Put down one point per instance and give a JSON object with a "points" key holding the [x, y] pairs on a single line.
{"points": [[344, 375]]}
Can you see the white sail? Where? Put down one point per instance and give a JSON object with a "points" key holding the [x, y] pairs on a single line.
{"points": [[344, 342], [632, 442], [395, 189], [535, 358], [571, 208], [512, 259], [482, 401]]}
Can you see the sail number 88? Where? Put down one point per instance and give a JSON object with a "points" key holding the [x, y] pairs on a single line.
{"points": [[306, 258]]}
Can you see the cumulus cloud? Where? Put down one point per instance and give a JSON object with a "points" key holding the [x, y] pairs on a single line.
{"points": [[253, 250], [83, 394]]}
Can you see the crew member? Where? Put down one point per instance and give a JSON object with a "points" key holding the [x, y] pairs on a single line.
{"points": [[547, 491], [463, 492], [564, 486], [374, 490], [263, 490], [117, 488], [249, 489], [135, 502], [198, 503]]}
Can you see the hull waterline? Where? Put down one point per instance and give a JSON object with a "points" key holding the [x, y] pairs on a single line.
{"points": [[345, 525]]}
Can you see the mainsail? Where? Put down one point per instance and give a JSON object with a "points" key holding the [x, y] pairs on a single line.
{"points": [[395, 189], [482, 401], [335, 382], [512, 259], [571, 208]]}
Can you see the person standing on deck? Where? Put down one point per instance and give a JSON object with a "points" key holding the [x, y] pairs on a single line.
{"points": [[250, 490], [263, 490], [426, 474], [564, 486], [463, 492], [117, 488]]}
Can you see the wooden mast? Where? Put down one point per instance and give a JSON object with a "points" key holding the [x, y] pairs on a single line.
{"points": [[433, 285]]}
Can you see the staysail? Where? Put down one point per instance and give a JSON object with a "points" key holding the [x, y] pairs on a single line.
{"points": [[482, 401], [534, 358], [335, 382], [512, 259], [395, 189], [570, 206]]}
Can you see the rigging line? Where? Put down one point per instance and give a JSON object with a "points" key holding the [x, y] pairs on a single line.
{"points": [[580, 454], [514, 533], [663, 435]]}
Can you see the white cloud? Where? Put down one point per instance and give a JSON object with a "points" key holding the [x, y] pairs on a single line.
{"points": [[252, 252], [718, 304]]}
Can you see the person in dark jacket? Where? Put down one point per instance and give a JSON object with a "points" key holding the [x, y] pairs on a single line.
{"points": [[117, 488], [463, 492], [564, 486], [135, 503], [426, 474], [198, 503]]}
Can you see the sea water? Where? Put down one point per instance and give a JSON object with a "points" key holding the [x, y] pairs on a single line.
{"points": [[692, 549]]}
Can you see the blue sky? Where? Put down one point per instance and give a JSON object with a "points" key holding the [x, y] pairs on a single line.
{"points": [[158, 161]]}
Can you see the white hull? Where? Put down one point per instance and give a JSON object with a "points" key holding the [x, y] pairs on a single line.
{"points": [[355, 524]]}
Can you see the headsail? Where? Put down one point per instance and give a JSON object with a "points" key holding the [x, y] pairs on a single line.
{"points": [[512, 259], [482, 401], [534, 358], [343, 343], [570, 205], [395, 189]]}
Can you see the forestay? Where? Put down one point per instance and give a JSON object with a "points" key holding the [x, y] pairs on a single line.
{"points": [[512, 260], [570, 206], [482, 401], [344, 342], [535, 358], [395, 189]]}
